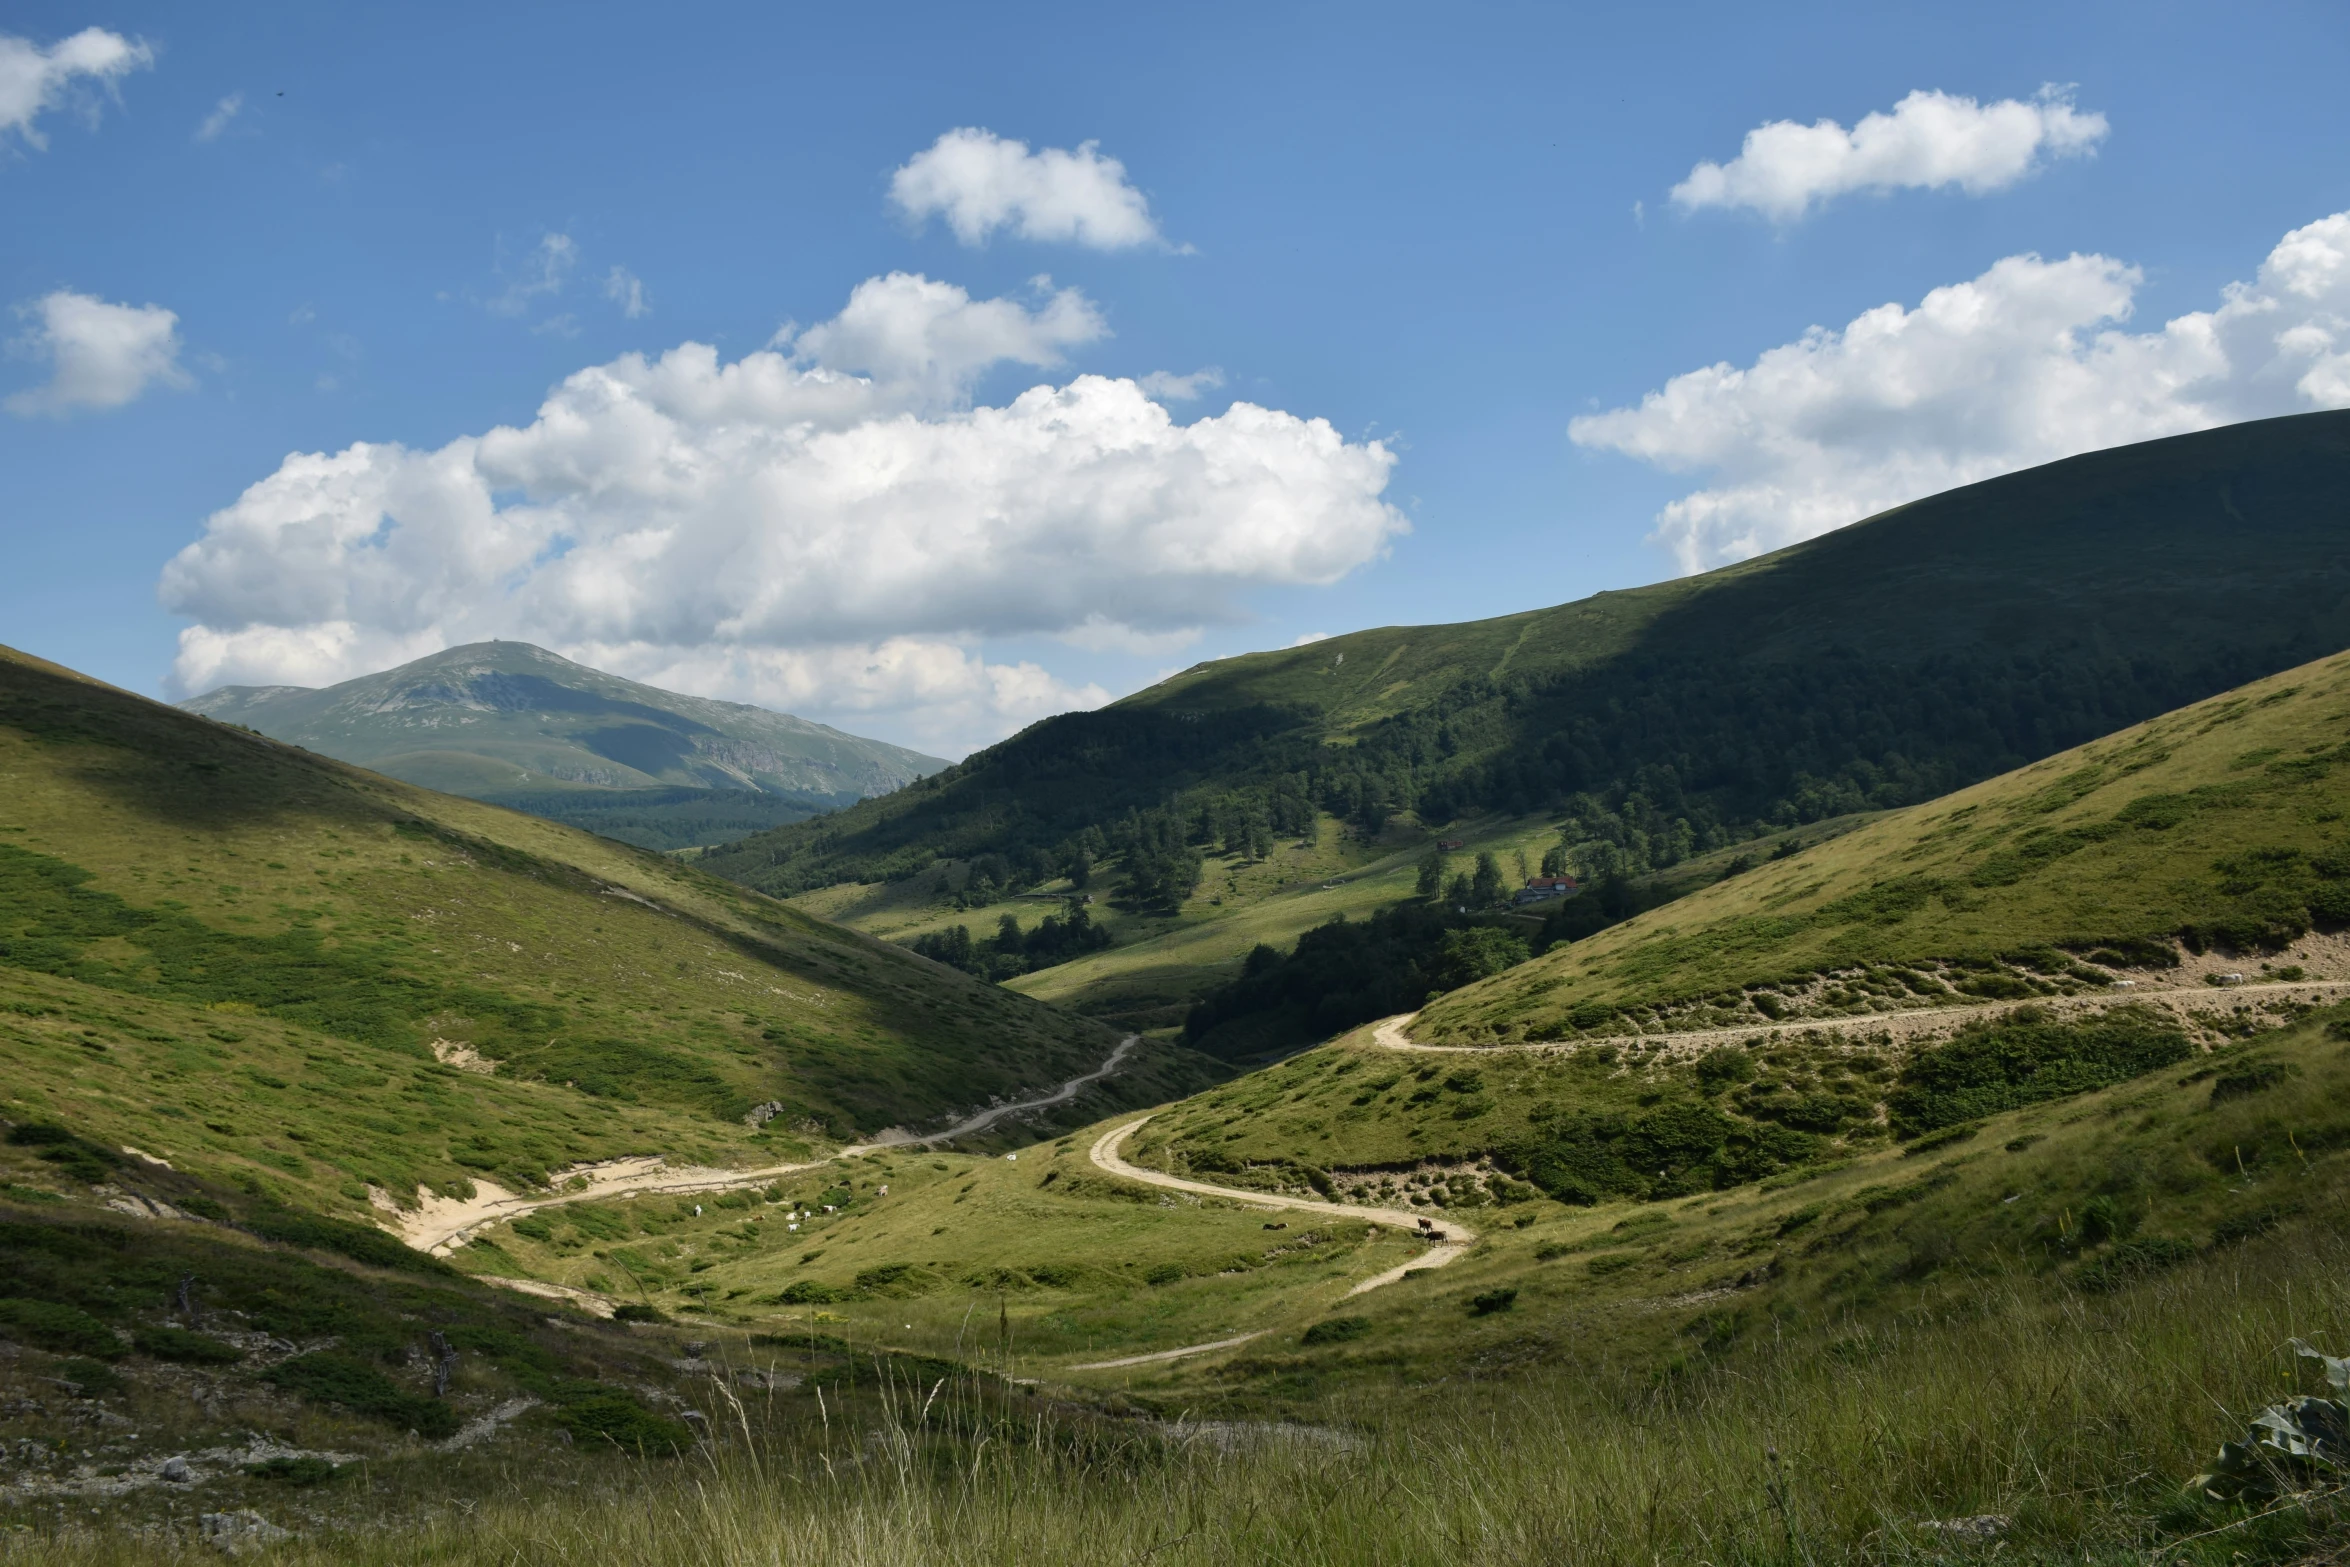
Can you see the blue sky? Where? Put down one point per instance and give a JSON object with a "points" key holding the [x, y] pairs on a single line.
{"points": [[1450, 231]]}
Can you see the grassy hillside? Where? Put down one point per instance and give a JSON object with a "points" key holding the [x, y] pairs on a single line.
{"points": [[1164, 959], [1878, 666], [2055, 930], [518, 724], [2219, 827], [284, 973]]}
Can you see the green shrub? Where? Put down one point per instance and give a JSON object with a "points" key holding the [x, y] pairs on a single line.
{"points": [[2252, 1077], [594, 1413], [90, 1378], [305, 1469], [325, 1377], [637, 1311], [185, 1348], [2027, 1057], [1164, 1273], [1491, 1301], [2133, 1260], [1336, 1330], [894, 1278], [810, 1292], [66, 1329], [77, 1156], [2237, 1228], [359, 1242]]}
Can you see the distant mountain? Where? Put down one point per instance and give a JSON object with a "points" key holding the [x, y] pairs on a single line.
{"points": [[1880, 665], [513, 723]]}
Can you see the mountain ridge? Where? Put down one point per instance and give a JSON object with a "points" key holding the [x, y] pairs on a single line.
{"points": [[509, 720]]}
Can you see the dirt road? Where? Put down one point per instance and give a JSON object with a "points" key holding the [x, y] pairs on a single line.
{"points": [[2183, 1000], [440, 1224], [1453, 1238]]}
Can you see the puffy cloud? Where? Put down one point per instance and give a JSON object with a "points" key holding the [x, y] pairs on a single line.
{"points": [[34, 80], [2025, 364], [101, 355], [780, 524], [929, 340], [981, 182], [218, 120], [1930, 139]]}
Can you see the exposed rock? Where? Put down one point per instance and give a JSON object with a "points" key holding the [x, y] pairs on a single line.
{"points": [[233, 1534], [176, 1471]]}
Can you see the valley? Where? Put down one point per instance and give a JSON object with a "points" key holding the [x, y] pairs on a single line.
{"points": [[339, 1110]]}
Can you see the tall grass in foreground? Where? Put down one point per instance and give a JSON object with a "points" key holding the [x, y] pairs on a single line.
{"points": [[2075, 1418]]}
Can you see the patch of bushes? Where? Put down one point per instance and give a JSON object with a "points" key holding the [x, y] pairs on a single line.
{"points": [[1666, 1149], [2025, 1058], [359, 1242], [1491, 1301], [182, 1347], [2252, 1077], [91, 1378], [55, 1326], [637, 1311], [78, 1157], [811, 1292], [1336, 1330], [327, 1377], [304, 1469], [2132, 1260], [596, 1414]]}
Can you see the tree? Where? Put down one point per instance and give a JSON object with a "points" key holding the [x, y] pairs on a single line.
{"points": [[1457, 892], [1554, 859], [1485, 887], [1431, 876]]}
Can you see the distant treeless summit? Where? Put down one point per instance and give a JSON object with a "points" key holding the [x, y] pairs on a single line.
{"points": [[512, 722]]}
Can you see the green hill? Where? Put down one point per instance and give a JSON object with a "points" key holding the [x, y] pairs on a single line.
{"points": [[514, 723], [1878, 666], [280, 971], [2057, 929]]}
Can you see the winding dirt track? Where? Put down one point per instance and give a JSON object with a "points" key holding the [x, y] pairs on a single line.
{"points": [[1389, 1032], [441, 1223], [1453, 1238]]}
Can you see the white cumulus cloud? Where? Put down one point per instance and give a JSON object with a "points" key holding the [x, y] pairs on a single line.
{"points": [[34, 80], [981, 182], [827, 524], [100, 355], [2030, 362], [1931, 139]]}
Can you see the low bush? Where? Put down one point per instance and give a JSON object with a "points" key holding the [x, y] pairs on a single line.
{"points": [[325, 1377], [65, 1329], [1336, 1330], [1491, 1301], [305, 1469], [184, 1348]]}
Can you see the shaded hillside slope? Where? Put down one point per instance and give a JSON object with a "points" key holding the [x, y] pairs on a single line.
{"points": [[275, 969], [2055, 930], [516, 723], [1877, 666], [2220, 826]]}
